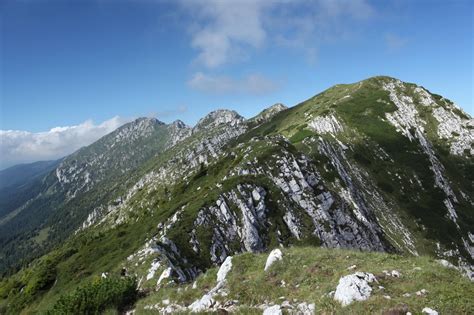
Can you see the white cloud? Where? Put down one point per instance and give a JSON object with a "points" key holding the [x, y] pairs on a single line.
{"points": [[255, 84], [226, 28], [226, 31], [23, 147]]}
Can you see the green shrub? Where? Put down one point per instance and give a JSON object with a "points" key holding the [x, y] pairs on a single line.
{"points": [[98, 295]]}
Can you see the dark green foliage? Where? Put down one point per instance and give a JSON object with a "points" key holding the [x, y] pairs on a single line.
{"points": [[98, 295]]}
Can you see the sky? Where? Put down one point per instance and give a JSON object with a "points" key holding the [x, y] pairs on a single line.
{"points": [[73, 71]]}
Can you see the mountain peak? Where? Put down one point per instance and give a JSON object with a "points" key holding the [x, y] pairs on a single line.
{"points": [[269, 112], [179, 124], [219, 117]]}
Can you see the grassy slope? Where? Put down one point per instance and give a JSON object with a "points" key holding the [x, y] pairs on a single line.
{"points": [[311, 273]]}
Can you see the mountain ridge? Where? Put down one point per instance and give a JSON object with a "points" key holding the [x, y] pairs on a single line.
{"points": [[375, 165]]}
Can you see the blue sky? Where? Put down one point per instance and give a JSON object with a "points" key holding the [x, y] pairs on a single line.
{"points": [[83, 63]]}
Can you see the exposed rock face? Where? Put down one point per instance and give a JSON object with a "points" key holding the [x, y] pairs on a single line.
{"points": [[453, 125], [459, 131], [303, 188], [219, 117], [326, 124], [354, 287], [178, 132], [274, 256], [268, 113], [228, 227]]}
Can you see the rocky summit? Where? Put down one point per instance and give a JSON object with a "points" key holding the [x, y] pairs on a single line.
{"points": [[357, 200]]}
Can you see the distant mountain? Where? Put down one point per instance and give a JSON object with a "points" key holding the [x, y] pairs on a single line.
{"points": [[378, 165], [17, 175], [64, 197], [20, 183]]}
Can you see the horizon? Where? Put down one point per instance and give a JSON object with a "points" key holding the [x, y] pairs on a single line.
{"points": [[98, 64]]}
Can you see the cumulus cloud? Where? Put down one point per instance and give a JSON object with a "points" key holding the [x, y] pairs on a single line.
{"points": [[18, 146], [226, 31], [255, 84]]}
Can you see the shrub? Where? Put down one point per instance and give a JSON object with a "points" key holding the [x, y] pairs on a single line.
{"points": [[98, 295]]}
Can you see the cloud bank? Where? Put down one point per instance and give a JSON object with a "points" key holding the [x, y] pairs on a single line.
{"points": [[224, 29], [18, 146]]}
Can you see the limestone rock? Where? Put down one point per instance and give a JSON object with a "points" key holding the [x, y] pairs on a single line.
{"points": [[273, 310], [224, 269], [275, 255], [429, 311], [354, 287]]}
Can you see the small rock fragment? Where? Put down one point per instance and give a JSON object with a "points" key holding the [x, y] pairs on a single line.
{"points": [[422, 292], [429, 311], [305, 309], [395, 273]]}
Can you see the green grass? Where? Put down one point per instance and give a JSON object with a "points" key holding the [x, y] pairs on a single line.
{"points": [[311, 273]]}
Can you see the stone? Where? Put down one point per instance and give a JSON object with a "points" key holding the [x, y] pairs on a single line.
{"points": [[421, 292], [224, 269], [354, 287], [205, 302], [429, 311], [397, 310], [273, 310], [305, 309], [446, 264], [395, 274], [274, 256], [164, 275]]}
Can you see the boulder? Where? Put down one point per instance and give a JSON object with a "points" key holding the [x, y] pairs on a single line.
{"points": [[275, 255], [354, 287], [273, 310], [224, 269], [204, 303], [429, 311]]}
